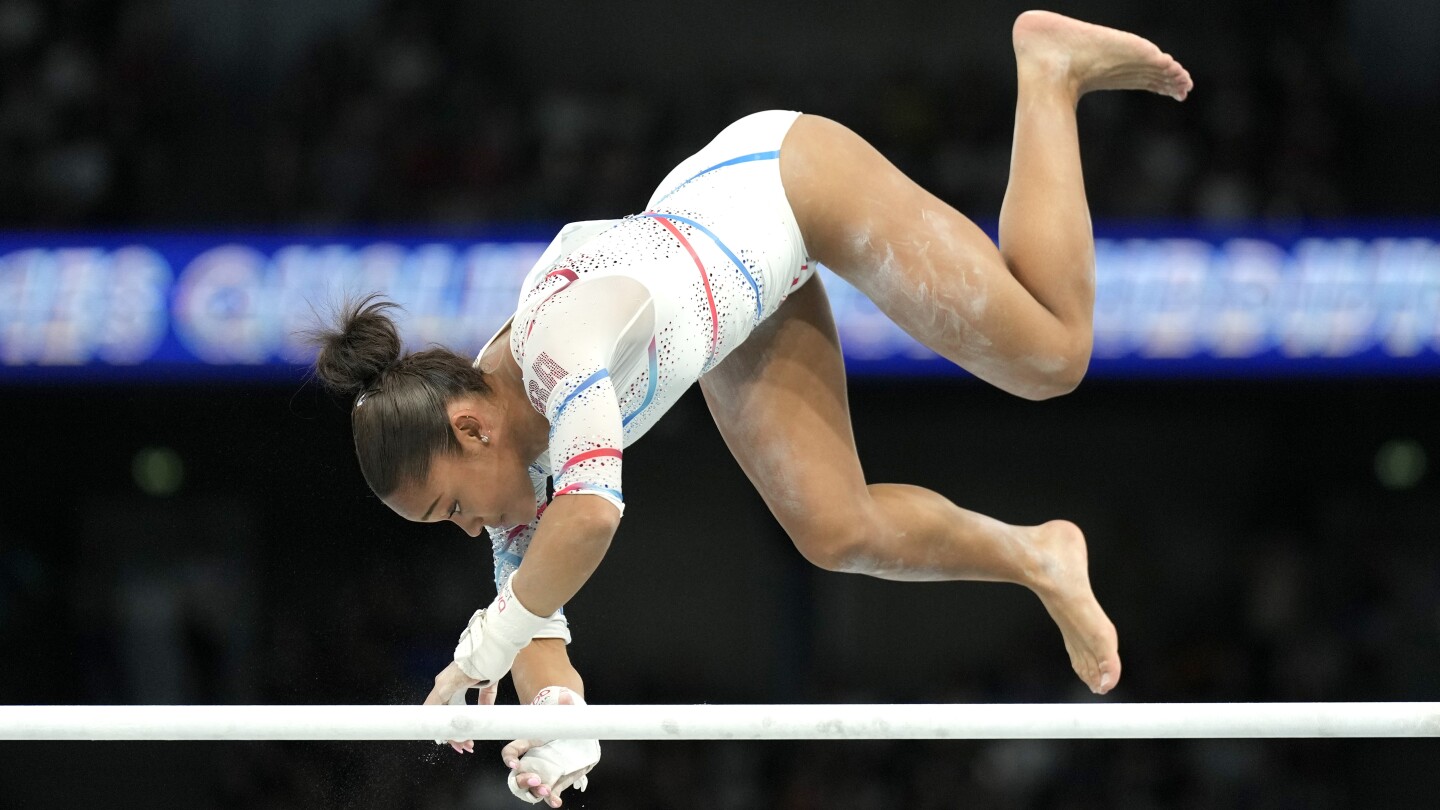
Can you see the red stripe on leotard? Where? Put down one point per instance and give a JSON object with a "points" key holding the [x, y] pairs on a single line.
{"points": [[589, 454], [704, 278], [566, 273]]}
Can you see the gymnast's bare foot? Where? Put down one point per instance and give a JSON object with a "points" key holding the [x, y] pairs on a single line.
{"points": [[1092, 57], [1064, 587]]}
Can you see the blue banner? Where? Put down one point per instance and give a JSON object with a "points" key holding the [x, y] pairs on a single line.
{"points": [[1169, 302]]}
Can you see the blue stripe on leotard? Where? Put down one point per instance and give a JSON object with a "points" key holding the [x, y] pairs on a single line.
{"points": [[772, 155], [745, 271], [586, 383], [650, 386]]}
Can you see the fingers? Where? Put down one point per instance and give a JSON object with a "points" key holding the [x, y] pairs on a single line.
{"points": [[461, 746], [528, 781], [488, 694], [550, 794], [443, 695], [450, 686], [512, 753], [538, 789]]}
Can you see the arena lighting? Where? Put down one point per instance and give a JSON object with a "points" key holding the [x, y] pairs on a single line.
{"points": [[1169, 301]]}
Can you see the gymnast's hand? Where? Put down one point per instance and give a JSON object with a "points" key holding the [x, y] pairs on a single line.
{"points": [[493, 637], [540, 770], [450, 687]]}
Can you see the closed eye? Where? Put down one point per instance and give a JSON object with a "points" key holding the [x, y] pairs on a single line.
{"points": [[454, 510]]}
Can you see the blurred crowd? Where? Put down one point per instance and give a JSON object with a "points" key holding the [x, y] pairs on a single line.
{"points": [[419, 113]]}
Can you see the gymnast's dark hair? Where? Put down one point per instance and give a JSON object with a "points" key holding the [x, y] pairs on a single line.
{"points": [[398, 416]]}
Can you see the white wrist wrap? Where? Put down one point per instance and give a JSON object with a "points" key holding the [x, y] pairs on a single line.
{"points": [[495, 635], [559, 763]]}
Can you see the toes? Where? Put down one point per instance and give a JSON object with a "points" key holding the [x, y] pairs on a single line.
{"points": [[1109, 677], [1099, 676]]}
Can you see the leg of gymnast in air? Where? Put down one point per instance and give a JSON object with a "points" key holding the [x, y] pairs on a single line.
{"points": [[1018, 317]]}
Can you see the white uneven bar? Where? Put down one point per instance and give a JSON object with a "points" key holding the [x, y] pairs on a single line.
{"points": [[723, 722]]}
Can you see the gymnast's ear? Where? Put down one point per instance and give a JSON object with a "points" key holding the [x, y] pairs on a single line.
{"points": [[471, 426]]}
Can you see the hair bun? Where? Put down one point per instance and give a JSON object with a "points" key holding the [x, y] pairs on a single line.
{"points": [[361, 344]]}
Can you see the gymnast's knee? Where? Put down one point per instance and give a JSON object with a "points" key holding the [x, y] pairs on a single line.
{"points": [[1057, 375], [840, 543]]}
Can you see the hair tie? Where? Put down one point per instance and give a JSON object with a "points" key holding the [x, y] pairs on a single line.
{"points": [[360, 400]]}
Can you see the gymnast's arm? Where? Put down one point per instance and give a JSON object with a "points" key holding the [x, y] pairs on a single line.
{"points": [[544, 662], [584, 331], [572, 538], [575, 344]]}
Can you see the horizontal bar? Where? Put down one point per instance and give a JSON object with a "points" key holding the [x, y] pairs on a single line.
{"points": [[724, 722]]}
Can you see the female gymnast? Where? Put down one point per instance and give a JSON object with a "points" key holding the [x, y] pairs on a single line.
{"points": [[714, 282]]}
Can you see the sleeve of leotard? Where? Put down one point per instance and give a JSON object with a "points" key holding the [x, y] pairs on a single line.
{"points": [[578, 336], [509, 544], [586, 436]]}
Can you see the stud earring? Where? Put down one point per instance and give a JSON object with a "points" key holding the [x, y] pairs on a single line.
{"points": [[484, 439]]}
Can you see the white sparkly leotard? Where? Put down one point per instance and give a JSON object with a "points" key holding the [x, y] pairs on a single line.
{"points": [[620, 317]]}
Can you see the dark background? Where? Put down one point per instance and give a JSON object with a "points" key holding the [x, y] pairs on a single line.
{"points": [[1240, 535]]}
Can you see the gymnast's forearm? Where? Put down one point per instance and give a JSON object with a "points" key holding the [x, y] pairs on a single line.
{"points": [[568, 545], [544, 662]]}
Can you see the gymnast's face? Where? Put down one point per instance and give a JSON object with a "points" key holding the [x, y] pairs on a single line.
{"points": [[485, 484]]}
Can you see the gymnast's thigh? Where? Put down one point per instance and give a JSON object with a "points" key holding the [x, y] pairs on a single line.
{"points": [[780, 403]]}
